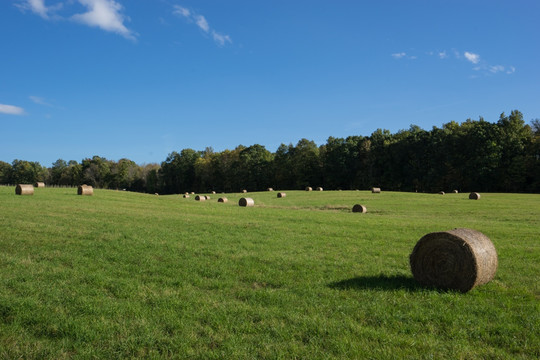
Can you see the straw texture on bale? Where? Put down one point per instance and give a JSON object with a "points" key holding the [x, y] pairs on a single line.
{"points": [[213, 192], [376, 190], [455, 192], [24, 189], [319, 189], [207, 197], [458, 259], [200, 198], [86, 190], [192, 193], [186, 196], [309, 188], [244, 191], [270, 189], [281, 194], [222, 200], [246, 202], [39, 184], [359, 208], [441, 192], [474, 196]]}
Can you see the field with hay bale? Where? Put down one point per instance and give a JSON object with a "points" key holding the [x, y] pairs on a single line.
{"points": [[130, 275]]}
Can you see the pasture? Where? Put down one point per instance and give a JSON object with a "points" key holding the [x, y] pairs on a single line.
{"points": [[126, 275]]}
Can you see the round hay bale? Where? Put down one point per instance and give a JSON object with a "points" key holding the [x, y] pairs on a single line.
{"points": [[376, 190], [86, 190], [213, 193], [186, 196], [39, 184], [270, 189], [156, 194], [441, 192], [200, 198], [458, 259], [319, 189], [309, 188], [186, 193], [207, 197], [474, 196], [281, 194], [244, 191], [359, 208], [222, 200], [24, 189], [193, 193], [455, 192], [246, 202]]}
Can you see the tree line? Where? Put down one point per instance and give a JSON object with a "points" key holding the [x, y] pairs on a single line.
{"points": [[475, 155]]}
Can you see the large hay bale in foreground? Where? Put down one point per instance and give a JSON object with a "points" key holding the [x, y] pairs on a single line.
{"points": [[281, 194], [24, 189], [458, 259], [309, 188], [39, 184], [200, 198], [474, 196], [246, 202], [376, 190], [85, 190], [359, 208], [222, 200]]}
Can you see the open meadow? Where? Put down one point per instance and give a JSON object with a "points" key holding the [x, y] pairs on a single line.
{"points": [[125, 275]]}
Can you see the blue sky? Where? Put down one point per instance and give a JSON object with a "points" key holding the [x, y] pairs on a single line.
{"points": [[139, 79]]}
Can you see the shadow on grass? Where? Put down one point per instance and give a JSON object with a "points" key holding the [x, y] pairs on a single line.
{"points": [[379, 282]]}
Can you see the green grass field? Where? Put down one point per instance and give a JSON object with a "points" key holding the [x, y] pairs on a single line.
{"points": [[124, 275]]}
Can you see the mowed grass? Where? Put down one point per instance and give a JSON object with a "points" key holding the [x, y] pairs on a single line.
{"points": [[125, 275]]}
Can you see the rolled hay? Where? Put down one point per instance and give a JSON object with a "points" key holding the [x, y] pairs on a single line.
{"points": [[319, 189], [474, 196], [458, 259], [441, 192], [200, 198], [244, 191], [309, 188], [24, 189], [246, 202], [186, 193], [222, 200], [269, 189], [85, 190], [455, 192], [39, 184], [359, 208], [207, 197], [186, 196], [376, 190], [193, 193], [213, 193], [281, 194]]}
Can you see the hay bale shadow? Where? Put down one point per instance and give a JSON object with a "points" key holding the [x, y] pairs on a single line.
{"points": [[378, 282]]}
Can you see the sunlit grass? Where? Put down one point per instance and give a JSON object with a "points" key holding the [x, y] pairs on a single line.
{"points": [[121, 275]]}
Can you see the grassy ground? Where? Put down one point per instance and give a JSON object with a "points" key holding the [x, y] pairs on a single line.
{"points": [[126, 275]]}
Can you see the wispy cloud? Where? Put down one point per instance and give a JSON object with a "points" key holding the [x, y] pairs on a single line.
{"points": [[474, 58], [106, 15], [11, 109], [39, 100], [202, 23], [442, 55], [38, 7], [399, 55]]}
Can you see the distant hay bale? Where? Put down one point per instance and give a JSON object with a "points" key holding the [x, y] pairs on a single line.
{"points": [[39, 184], [359, 208], [246, 202], [474, 196], [309, 188], [269, 189], [186, 193], [156, 194], [192, 193], [200, 198], [207, 197], [458, 259], [86, 190], [222, 200], [186, 196], [281, 194], [376, 190], [213, 193], [244, 191], [24, 189], [319, 189], [455, 192], [441, 192]]}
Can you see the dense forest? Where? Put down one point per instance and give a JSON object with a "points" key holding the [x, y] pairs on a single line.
{"points": [[475, 155]]}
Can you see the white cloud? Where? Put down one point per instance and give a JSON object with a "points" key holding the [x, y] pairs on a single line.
{"points": [[202, 23], [496, 68], [38, 7], [39, 100], [474, 58], [442, 55], [105, 14], [511, 70], [11, 110], [399, 55]]}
